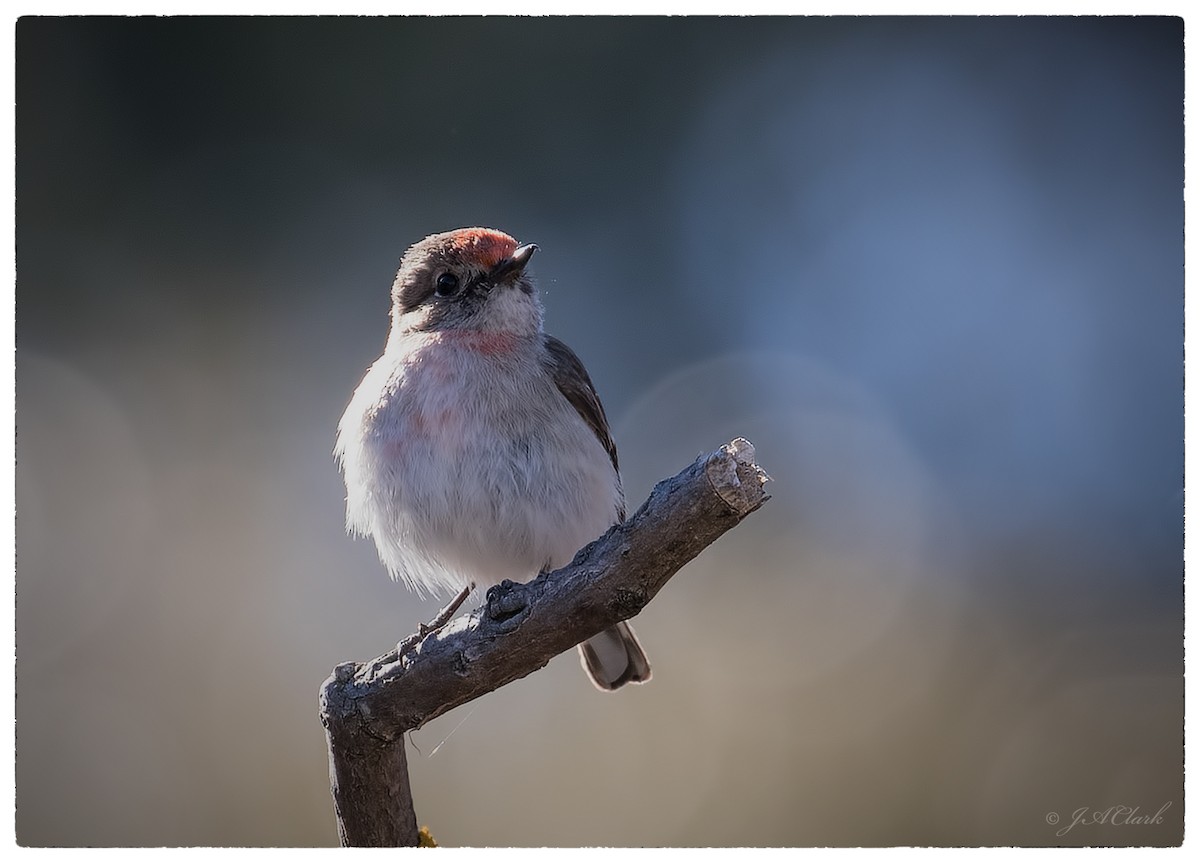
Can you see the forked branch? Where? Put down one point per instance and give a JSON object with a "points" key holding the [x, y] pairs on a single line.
{"points": [[367, 707]]}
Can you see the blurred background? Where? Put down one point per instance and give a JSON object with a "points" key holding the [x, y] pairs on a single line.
{"points": [[932, 268]]}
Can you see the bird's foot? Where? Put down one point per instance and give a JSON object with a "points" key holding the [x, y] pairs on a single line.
{"points": [[507, 604]]}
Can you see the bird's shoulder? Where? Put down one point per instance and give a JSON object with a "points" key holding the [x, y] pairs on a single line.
{"points": [[572, 380]]}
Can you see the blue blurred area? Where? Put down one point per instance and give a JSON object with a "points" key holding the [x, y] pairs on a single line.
{"points": [[932, 268], [982, 224]]}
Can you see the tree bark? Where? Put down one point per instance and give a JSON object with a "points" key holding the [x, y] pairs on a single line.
{"points": [[366, 708]]}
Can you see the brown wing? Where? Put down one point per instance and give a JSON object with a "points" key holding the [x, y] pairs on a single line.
{"points": [[573, 382]]}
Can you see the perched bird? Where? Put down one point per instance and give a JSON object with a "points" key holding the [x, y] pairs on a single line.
{"points": [[476, 449]]}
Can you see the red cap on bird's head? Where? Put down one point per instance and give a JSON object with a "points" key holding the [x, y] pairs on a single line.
{"points": [[485, 246]]}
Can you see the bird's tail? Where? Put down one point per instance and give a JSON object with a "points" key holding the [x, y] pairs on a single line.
{"points": [[614, 658]]}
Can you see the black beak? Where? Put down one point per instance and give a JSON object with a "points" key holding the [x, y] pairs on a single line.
{"points": [[513, 266]]}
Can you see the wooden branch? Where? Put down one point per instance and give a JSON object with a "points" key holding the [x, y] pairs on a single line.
{"points": [[366, 708]]}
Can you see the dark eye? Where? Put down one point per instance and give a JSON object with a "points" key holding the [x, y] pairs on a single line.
{"points": [[447, 284]]}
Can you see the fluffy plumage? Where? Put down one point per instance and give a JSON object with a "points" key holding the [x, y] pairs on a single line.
{"points": [[476, 448]]}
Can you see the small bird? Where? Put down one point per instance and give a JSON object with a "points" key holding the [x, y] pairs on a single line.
{"points": [[476, 449]]}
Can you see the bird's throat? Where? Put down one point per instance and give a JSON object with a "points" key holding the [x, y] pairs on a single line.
{"points": [[485, 342]]}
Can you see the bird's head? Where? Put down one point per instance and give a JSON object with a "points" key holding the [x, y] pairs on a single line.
{"points": [[470, 279]]}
